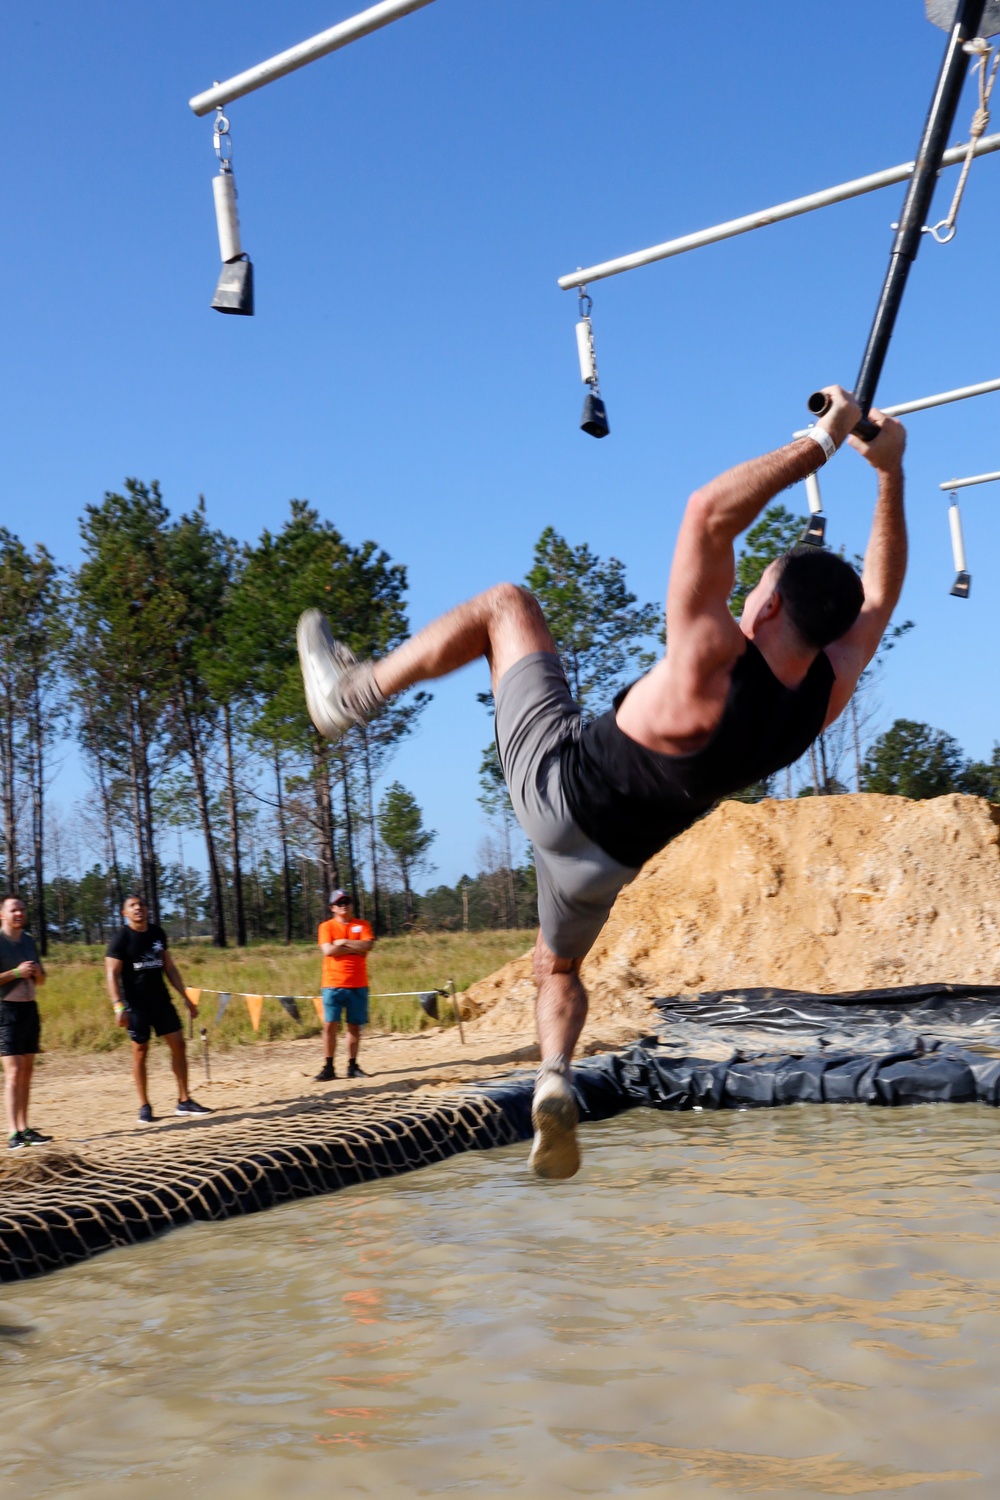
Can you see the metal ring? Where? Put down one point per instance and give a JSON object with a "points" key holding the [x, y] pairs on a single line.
{"points": [[221, 124], [942, 239]]}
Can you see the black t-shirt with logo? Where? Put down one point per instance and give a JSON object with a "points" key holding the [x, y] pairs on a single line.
{"points": [[142, 955]]}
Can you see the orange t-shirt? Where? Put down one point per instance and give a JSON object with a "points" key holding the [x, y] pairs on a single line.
{"points": [[345, 971]]}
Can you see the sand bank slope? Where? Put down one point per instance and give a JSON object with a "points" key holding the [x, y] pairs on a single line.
{"points": [[825, 894]]}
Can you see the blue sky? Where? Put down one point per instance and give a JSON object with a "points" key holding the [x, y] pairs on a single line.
{"points": [[408, 204]]}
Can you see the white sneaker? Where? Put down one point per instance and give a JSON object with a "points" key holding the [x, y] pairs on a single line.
{"points": [[324, 662], [555, 1153]]}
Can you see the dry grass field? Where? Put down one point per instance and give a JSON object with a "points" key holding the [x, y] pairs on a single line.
{"points": [[77, 1016]]}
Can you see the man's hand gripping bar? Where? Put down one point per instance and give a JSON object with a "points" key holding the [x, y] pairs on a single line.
{"points": [[819, 403]]}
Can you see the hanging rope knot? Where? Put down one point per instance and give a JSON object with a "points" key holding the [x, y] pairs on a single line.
{"points": [[981, 49], [980, 120]]}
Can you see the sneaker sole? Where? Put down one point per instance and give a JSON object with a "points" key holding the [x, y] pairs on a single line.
{"points": [[312, 637], [555, 1153]]}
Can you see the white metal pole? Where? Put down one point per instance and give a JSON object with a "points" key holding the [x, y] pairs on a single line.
{"points": [[305, 52], [961, 484], [961, 394], [789, 210]]}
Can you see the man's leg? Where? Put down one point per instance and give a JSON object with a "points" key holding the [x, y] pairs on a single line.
{"points": [[178, 1061], [353, 1041], [139, 1051], [503, 624], [561, 1006], [330, 1030], [560, 1011], [23, 1086], [10, 1078]]}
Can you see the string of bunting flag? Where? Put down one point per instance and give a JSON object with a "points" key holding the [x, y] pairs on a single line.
{"points": [[289, 1003]]}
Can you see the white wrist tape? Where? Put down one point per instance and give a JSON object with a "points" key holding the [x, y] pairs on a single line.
{"points": [[821, 436]]}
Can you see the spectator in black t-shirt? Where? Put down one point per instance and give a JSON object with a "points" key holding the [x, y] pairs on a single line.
{"points": [[136, 961]]}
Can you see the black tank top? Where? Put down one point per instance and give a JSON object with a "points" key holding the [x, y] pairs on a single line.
{"points": [[631, 801]]}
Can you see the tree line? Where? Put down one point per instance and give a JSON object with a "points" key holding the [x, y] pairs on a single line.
{"points": [[167, 660]]}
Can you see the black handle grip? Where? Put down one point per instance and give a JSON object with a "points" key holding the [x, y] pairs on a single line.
{"points": [[819, 402]]}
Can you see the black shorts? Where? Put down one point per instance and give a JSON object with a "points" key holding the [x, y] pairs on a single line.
{"points": [[20, 1028], [157, 1015]]}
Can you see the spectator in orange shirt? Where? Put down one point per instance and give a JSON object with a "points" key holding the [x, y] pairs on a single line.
{"points": [[344, 942]]}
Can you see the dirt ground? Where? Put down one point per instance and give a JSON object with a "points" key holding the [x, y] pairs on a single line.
{"points": [[86, 1101]]}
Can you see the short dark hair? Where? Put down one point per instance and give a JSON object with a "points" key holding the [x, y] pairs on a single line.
{"points": [[10, 897], [134, 896], [821, 592]]}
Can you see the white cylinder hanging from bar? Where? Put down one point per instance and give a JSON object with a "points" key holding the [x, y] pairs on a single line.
{"points": [[585, 350], [963, 578], [227, 217], [957, 540], [813, 495]]}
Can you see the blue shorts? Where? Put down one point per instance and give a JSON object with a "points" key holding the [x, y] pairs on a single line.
{"points": [[354, 1002]]}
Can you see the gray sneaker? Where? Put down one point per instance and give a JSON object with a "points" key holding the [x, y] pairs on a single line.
{"points": [[324, 662], [554, 1114]]}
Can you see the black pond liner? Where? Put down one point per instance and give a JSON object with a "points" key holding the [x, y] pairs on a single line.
{"points": [[134, 1192]]}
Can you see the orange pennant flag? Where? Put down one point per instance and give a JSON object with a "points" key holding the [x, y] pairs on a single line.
{"points": [[194, 996], [255, 1004], [319, 1007]]}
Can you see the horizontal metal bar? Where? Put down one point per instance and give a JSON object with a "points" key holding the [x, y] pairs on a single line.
{"points": [[962, 393], [789, 210], [961, 484], [305, 52]]}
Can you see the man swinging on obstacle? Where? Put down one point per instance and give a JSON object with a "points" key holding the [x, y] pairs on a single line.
{"points": [[728, 704]]}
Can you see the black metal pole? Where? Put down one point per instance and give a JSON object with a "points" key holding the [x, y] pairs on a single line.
{"points": [[933, 144]]}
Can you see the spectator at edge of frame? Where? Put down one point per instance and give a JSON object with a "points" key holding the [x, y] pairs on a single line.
{"points": [[21, 972]]}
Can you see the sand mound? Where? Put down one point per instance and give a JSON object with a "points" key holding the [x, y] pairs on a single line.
{"points": [[824, 894]]}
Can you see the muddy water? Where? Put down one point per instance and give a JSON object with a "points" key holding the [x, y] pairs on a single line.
{"points": [[796, 1302]]}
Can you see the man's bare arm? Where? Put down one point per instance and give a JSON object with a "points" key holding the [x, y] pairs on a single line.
{"points": [[112, 978], [704, 566], [884, 566]]}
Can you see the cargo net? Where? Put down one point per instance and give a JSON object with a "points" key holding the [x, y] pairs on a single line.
{"points": [[57, 1208]]}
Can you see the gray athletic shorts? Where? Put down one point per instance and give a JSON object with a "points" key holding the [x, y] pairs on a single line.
{"points": [[577, 881]]}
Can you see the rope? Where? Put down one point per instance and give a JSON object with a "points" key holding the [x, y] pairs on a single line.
{"points": [[944, 231], [242, 994], [389, 995]]}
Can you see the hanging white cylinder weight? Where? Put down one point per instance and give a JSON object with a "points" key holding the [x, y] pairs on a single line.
{"points": [[585, 349], [813, 495], [957, 543], [226, 217]]}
